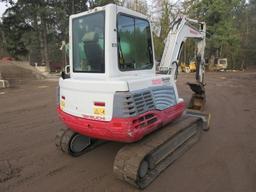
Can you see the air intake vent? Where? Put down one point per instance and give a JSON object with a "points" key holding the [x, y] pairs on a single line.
{"points": [[143, 101], [128, 104], [164, 97], [131, 104], [124, 105]]}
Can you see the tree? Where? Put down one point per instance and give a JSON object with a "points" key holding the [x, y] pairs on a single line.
{"points": [[3, 51], [164, 26], [35, 29], [32, 26], [13, 28], [137, 5], [223, 35], [250, 31]]}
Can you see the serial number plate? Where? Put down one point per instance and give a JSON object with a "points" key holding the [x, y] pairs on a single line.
{"points": [[99, 111]]}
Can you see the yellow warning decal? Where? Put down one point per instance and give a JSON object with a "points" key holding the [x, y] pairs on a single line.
{"points": [[62, 104], [99, 111]]}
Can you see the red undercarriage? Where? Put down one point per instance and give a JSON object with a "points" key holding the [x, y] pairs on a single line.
{"points": [[123, 129]]}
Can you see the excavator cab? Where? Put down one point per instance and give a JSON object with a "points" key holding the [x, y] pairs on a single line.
{"points": [[110, 41]]}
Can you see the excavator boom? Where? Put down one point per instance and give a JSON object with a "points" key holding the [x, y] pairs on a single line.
{"points": [[181, 29]]}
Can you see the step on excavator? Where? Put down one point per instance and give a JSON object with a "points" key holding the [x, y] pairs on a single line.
{"points": [[113, 91]]}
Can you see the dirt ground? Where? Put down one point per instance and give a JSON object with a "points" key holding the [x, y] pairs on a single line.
{"points": [[223, 160], [16, 71]]}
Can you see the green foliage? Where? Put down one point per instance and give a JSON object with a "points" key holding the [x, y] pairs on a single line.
{"points": [[165, 20], [3, 51], [14, 27], [165, 27], [223, 35], [250, 33], [159, 47], [35, 29]]}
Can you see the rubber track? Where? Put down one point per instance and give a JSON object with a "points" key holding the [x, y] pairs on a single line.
{"points": [[62, 140], [160, 149]]}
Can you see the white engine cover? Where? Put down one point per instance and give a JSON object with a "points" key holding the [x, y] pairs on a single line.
{"points": [[78, 97]]}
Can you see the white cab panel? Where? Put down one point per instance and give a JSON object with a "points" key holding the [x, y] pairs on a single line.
{"points": [[79, 96]]}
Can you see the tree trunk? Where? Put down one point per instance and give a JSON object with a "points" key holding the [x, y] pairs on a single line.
{"points": [[45, 43], [39, 34], [3, 44], [41, 42]]}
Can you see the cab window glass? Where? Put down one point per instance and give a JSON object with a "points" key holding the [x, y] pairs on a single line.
{"points": [[134, 44], [88, 43]]}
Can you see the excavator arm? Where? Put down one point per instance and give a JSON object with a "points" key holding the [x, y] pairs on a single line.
{"points": [[181, 29]]}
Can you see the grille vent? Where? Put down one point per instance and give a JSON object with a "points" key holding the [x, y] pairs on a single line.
{"points": [[164, 97], [130, 104], [143, 101]]}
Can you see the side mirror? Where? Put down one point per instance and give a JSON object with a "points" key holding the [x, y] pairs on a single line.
{"points": [[66, 73], [67, 69]]}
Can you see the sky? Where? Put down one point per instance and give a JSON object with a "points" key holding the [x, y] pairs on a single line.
{"points": [[2, 8]]}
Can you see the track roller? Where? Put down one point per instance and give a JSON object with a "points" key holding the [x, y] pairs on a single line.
{"points": [[140, 163], [74, 143]]}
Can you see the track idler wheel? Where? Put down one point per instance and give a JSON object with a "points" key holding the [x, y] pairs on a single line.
{"points": [[143, 168], [73, 143]]}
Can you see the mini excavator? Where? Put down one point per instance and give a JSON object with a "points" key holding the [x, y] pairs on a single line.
{"points": [[113, 91]]}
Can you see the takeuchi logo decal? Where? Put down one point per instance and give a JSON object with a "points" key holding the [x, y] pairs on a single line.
{"points": [[193, 32], [94, 117], [157, 81]]}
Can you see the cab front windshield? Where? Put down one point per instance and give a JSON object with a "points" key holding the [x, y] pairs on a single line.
{"points": [[88, 43]]}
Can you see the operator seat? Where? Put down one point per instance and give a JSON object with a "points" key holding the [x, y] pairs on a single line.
{"points": [[94, 52]]}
